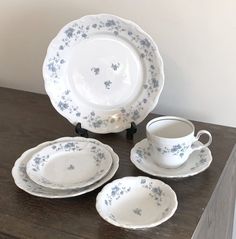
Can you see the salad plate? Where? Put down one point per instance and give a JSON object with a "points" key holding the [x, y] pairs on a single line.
{"points": [[23, 181], [70, 164], [198, 161], [104, 72], [136, 202]]}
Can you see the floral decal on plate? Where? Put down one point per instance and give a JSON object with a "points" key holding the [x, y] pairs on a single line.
{"points": [[81, 30], [23, 181], [95, 70], [137, 211], [40, 159], [136, 202], [101, 162], [143, 153], [119, 190], [202, 160]]}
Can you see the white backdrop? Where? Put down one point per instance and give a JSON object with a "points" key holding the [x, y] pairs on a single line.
{"points": [[197, 39]]}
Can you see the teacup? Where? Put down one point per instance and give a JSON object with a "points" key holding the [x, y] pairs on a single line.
{"points": [[172, 140]]}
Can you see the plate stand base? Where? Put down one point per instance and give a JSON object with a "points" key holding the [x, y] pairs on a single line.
{"points": [[80, 131], [131, 131], [84, 132]]}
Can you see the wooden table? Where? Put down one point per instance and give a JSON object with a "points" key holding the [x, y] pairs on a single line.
{"points": [[27, 119]]}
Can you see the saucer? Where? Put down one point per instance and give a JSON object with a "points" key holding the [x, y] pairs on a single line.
{"points": [[69, 164], [23, 181], [136, 202], [197, 162]]}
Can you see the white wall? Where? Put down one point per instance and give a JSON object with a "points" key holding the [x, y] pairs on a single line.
{"points": [[197, 39]]}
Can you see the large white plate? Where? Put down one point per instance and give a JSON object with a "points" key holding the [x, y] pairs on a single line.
{"points": [[104, 72], [136, 202], [26, 184], [70, 164]]}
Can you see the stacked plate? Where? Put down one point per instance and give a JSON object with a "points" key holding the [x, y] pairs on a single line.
{"points": [[66, 167]]}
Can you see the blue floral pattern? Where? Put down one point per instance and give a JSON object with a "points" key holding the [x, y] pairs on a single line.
{"points": [[42, 157], [202, 161], [117, 191], [78, 31], [142, 157], [136, 202], [175, 150]]}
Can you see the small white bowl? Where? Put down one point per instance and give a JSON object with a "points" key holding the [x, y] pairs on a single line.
{"points": [[136, 202]]}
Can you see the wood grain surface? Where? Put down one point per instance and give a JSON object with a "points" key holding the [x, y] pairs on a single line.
{"points": [[28, 119]]}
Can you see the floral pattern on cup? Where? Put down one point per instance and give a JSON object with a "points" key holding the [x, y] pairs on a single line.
{"points": [[177, 149]]}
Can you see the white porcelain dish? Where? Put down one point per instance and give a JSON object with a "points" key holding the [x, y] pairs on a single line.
{"points": [[141, 157], [26, 184], [104, 72], [75, 163], [136, 202]]}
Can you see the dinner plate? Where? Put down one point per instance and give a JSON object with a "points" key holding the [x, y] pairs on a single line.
{"points": [[104, 72], [23, 181], [198, 161], [70, 164], [136, 202]]}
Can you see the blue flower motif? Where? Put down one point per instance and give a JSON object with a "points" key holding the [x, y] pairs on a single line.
{"points": [[135, 115], [139, 152], [110, 23], [67, 92], [101, 155], [143, 181], [69, 145], [115, 66], [114, 191], [63, 105], [97, 124], [107, 84], [95, 70], [142, 55], [37, 160], [51, 67], [138, 211], [157, 191], [155, 83], [69, 32], [145, 42]]}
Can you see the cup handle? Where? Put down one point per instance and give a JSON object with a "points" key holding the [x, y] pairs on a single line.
{"points": [[199, 134]]}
